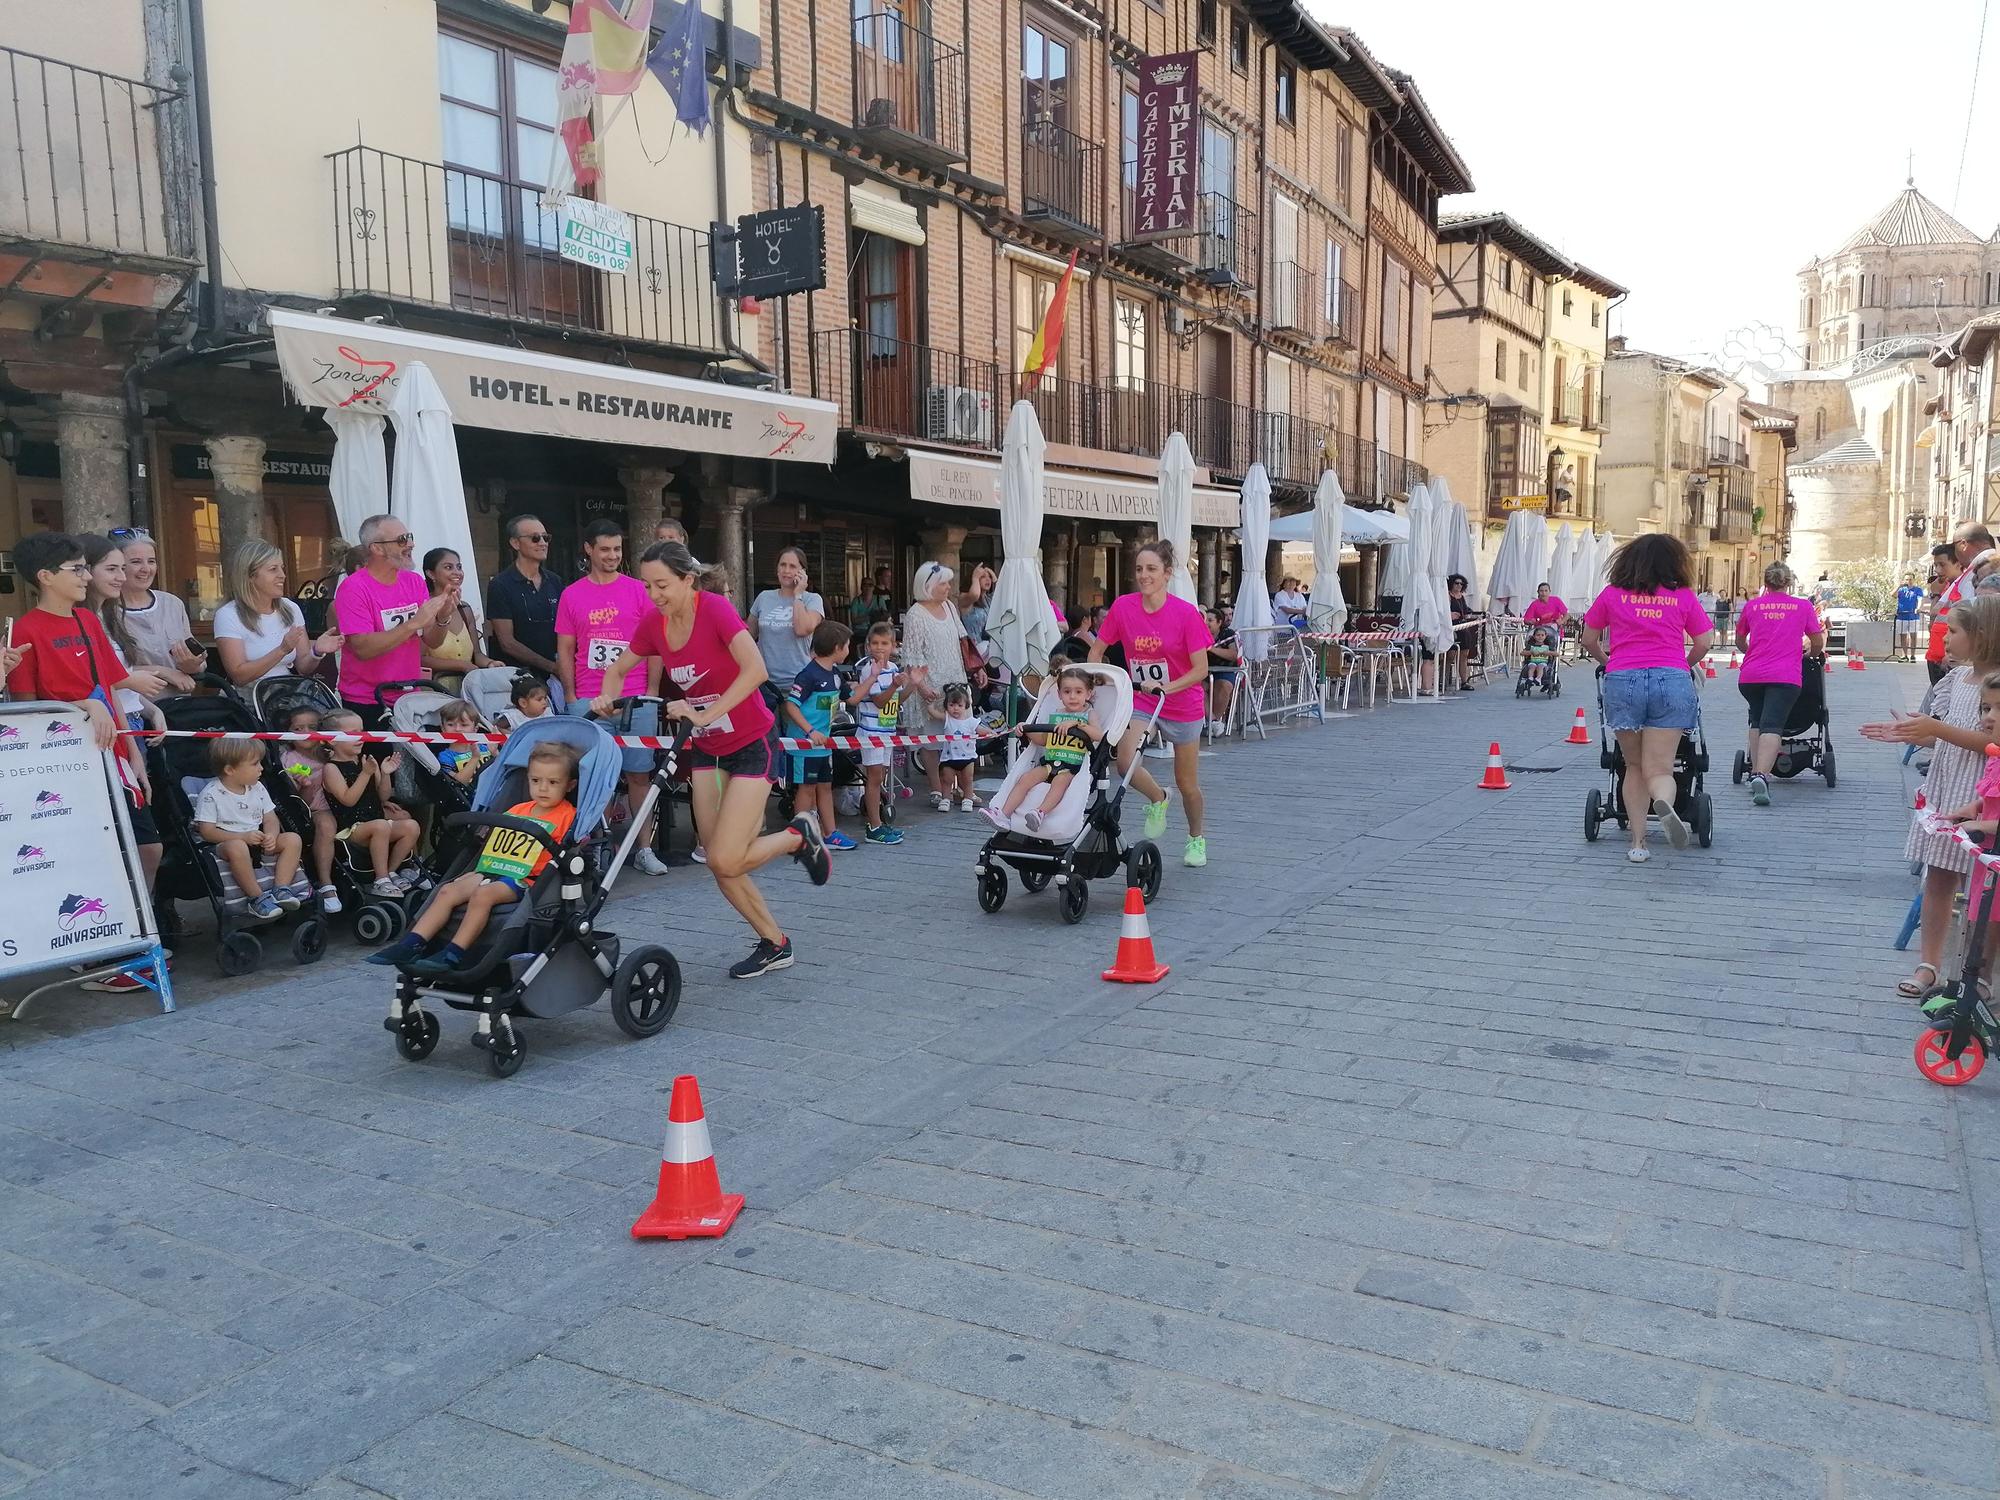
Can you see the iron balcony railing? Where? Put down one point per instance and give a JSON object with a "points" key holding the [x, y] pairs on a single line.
{"points": [[1292, 301], [416, 231], [1399, 476], [1062, 178], [1722, 450], [84, 167], [1689, 456], [1343, 313], [909, 88], [1355, 464], [1580, 404], [894, 388], [1219, 247]]}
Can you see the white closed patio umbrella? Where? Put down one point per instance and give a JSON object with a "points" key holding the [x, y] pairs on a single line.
{"points": [[1517, 564], [1328, 609], [360, 477], [1424, 609], [1559, 563], [1019, 619], [1177, 512], [427, 492], [1600, 573], [1253, 618]]}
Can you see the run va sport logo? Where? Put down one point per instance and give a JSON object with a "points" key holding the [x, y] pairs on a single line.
{"points": [[84, 919], [57, 735], [29, 858], [49, 805]]}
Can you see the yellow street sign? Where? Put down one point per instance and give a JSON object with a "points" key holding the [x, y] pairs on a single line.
{"points": [[1524, 502]]}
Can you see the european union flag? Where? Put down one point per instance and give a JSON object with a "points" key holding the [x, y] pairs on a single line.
{"points": [[680, 62]]}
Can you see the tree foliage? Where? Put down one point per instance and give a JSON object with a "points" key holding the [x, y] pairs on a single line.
{"points": [[1868, 584]]}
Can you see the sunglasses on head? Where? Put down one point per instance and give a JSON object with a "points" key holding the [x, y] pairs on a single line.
{"points": [[129, 533]]}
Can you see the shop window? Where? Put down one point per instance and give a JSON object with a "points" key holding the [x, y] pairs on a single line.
{"points": [[1204, 23], [1500, 359], [1239, 43]]}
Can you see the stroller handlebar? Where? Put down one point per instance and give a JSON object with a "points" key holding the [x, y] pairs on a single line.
{"points": [[528, 826], [406, 685]]}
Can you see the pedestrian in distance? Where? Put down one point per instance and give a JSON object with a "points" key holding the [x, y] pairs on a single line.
{"points": [[259, 632], [1948, 572], [960, 757], [1776, 629], [1166, 643], [451, 645], [935, 659], [521, 600], [705, 653], [781, 621], [155, 623], [1647, 631], [358, 789], [1972, 639]]}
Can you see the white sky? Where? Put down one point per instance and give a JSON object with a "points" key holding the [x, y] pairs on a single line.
{"points": [[1700, 154]]}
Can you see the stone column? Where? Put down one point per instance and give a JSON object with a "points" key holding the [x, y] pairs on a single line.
{"points": [[1055, 564], [1274, 564], [90, 431], [940, 544], [1208, 544], [729, 510], [236, 464], [645, 504], [1366, 593]]}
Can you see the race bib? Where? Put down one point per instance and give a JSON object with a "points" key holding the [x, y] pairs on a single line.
{"points": [[1150, 674], [511, 853], [391, 618], [718, 726], [602, 654]]}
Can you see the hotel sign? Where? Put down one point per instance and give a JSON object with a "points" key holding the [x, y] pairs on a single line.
{"points": [[1163, 186], [946, 479]]}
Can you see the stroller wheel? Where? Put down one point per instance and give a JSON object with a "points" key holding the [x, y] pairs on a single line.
{"points": [[238, 953], [418, 1036], [1826, 766], [1593, 814], [1074, 900], [377, 923], [1034, 881], [1936, 1064], [505, 1051], [1704, 819], [993, 887], [1737, 768], [1143, 866], [309, 941], [646, 991]]}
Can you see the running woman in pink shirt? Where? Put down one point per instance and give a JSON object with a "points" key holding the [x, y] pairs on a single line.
{"points": [[1775, 630]]}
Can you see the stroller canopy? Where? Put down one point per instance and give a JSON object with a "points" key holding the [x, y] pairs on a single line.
{"points": [[596, 775]]}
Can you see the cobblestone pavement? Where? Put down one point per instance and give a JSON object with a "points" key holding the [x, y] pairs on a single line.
{"points": [[1457, 1158]]}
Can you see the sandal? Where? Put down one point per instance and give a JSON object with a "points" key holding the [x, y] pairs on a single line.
{"points": [[1909, 989]]}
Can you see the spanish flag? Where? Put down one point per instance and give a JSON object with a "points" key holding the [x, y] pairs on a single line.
{"points": [[1048, 338]]}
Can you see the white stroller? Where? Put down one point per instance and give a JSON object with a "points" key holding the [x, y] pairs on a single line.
{"points": [[1079, 840]]}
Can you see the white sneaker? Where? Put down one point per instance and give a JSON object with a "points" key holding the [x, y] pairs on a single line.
{"points": [[940, 802], [329, 901], [1638, 856], [649, 863], [699, 855]]}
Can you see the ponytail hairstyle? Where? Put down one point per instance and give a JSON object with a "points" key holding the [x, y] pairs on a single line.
{"points": [[677, 560], [1161, 548]]}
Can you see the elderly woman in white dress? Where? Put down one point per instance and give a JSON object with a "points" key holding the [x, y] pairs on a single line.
{"points": [[934, 659]]}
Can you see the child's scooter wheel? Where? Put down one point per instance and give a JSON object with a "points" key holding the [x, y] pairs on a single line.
{"points": [[1934, 1064]]}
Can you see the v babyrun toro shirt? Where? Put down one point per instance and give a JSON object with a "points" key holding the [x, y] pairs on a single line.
{"points": [[603, 618], [1159, 646], [1776, 627], [1648, 630], [513, 855], [363, 606], [703, 670]]}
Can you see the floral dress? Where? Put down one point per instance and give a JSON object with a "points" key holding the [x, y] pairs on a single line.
{"points": [[932, 643], [1954, 775]]}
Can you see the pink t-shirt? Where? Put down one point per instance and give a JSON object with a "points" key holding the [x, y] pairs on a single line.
{"points": [[604, 618], [1545, 611], [1648, 630], [1159, 646], [363, 606], [703, 670], [1776, 627]]}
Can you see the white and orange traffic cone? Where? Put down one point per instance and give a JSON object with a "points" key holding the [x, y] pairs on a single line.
{"points": [[1136, 963], [1708, 668], [1734, 664], [1856, 662], [1829, 666], [1495, 779], [689, 1203], [1579, 732]]}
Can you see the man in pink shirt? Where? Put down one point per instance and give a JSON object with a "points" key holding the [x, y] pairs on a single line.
{"points": [[382, 610]]}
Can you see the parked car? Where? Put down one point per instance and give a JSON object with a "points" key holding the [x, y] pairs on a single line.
{"points": [[1836, 622]]}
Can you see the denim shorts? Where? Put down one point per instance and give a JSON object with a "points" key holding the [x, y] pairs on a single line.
{"points": [[1649, 698]]}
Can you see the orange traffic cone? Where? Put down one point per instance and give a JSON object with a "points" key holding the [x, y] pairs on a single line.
{"points": [[690, 1203], [1579, 732], [1734, 664], [1829, 666], [1495, 779], [1135, 963], [1709, 668], [1856, 662]]}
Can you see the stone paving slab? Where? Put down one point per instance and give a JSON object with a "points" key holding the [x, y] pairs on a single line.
{"points": [[1456, 1158]]}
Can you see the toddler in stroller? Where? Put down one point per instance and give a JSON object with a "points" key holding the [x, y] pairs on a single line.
{"points": [[1540, 667], [235, 816], [1068, 735]]}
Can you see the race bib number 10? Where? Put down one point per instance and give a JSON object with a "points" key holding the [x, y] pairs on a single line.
{"points": [[1150, 674]]}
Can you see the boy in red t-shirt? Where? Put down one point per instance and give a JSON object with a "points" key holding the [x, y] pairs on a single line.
{"points": [[58, 650]]}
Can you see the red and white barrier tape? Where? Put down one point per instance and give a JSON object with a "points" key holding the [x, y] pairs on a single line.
{"points": [[438, 737], [1931, 823]]}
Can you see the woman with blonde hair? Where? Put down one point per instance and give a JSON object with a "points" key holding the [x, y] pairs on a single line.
{"points": [[260, 633], [156, 624], [932, 656]]}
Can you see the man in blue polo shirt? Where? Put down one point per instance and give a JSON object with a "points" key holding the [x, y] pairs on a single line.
{"points": [[521, 602], [1909, 598]]}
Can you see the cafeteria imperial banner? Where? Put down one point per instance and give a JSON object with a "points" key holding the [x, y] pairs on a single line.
{"points": [[347, 366]]}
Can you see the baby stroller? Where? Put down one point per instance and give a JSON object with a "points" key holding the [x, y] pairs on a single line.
{"points": [[1079, 840], [189, 868], [276, 699], [1807, 744], [1550, 637], [426, 783], [1690, 766], [545, 956]]}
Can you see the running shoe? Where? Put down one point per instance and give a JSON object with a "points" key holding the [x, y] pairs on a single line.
{"points": [[1638, 856], [1671, 823], [763, 958], [120, 983], [811, 852], [264, 909], [839, 840], [646, 862], [1760, 791], [883, 834], [997, 818], [1197, 853], [698, 854], [1156, 818]]}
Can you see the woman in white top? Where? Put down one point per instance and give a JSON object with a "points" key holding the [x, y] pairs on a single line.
{"points": [[931, 655], [259, 632], [156, 623], [1289, 604]]}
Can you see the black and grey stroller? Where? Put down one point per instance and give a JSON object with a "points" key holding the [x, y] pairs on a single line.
{"points": [[1549, 682], [1808, 743], [1691, 803], [545, 956], [1079, 839]]}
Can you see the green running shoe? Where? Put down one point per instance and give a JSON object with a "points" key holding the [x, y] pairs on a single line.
{"points": [[1156, 818], [1197, 853]]}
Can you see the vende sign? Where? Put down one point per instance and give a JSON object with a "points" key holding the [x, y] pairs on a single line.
{"points": [[1169, 144]]}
